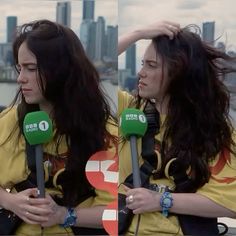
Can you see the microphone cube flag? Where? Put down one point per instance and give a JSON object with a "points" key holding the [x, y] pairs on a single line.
{"points": [[133, 122], [37, 128]]}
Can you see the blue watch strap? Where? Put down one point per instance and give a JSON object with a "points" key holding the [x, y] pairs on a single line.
{"points": [[70, 218], [166, 202]]}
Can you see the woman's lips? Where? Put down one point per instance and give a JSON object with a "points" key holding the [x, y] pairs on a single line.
{"points": [[26, 90], [141, 84]]}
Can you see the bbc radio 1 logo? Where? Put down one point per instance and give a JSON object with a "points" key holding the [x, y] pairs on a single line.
{"points": [[41, 126], [139, 117]]}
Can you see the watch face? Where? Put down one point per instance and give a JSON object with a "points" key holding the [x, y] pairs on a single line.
{"points": [[71, 220], [167, 201]]}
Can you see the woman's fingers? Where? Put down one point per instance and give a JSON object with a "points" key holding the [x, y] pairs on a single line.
{"points": [[31, 218], [38, 201], [31, 192], [176, 25], [31, 209], [171, 29], [142, 200], [36, 214], [168, 33], [39, 210]]}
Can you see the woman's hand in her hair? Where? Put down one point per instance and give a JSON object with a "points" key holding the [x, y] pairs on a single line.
{"points": [[142, 200], [168, 28], [28, 207]]}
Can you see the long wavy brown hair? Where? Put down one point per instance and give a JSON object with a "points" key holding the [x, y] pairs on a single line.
{"points": [[69, 82], [197, 125]]}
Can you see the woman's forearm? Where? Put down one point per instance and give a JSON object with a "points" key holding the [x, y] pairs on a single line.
{"points": [[90, 217], [126, 40], [196, 204]]}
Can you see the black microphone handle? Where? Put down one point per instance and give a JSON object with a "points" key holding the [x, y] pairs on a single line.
{"points": [[40, 170], [135, 165]]}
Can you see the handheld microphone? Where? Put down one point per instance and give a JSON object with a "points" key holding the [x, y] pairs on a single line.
{"points": [[133, 125], [37, 128]]}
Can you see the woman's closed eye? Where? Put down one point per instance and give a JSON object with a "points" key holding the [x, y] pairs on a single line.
{"points": [[150, 64], [30, 68]]}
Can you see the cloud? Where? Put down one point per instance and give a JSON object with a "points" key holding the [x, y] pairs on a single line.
{"points": [[190, 4], [136, 13], [25, 11], [29, 10], [109, 9]]}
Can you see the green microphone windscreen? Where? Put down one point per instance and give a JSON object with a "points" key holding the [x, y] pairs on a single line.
{"points": [[133, 122], [37, 127]]}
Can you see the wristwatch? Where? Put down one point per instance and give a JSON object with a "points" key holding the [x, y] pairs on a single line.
{"points": [[70, 219], [166, 202]]}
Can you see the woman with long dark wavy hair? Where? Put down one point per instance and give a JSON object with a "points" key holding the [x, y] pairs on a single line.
{"points": [[55, 76], [193, 177]]}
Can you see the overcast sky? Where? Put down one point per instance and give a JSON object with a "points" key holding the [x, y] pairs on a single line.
{"points": [[136, 13], [28, 10], [131, 14]]}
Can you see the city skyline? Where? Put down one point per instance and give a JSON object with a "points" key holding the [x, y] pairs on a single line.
{"points": [[101, 36], [133, 15], [99, 40], [63, 13], [28, 10]]}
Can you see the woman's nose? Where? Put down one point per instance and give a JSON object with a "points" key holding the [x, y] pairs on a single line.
{"points": [[21, 78], [142, 73]]}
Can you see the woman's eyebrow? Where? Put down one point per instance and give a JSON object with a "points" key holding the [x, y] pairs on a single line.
{"points": [[27, 64], [150, 61]]}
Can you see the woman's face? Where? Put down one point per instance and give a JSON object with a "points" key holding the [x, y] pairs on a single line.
{"points": [[153, 78], [28, 74]]}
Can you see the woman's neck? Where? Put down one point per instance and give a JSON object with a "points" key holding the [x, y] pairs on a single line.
{"points": [[162, 105], [47, 107]]}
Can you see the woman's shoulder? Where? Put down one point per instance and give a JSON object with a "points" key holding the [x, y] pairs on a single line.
{"points": [[8, 116], [9, 113], [125, 100], [8, 121]]}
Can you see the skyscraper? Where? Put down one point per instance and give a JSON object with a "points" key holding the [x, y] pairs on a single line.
{"points": [[84, 33], [11, 28], [100, 37], [111, 47], [64, 13], [88, 28], [208, 32], [92, 40], [6, 54], [88, 9], [131, 59]]}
